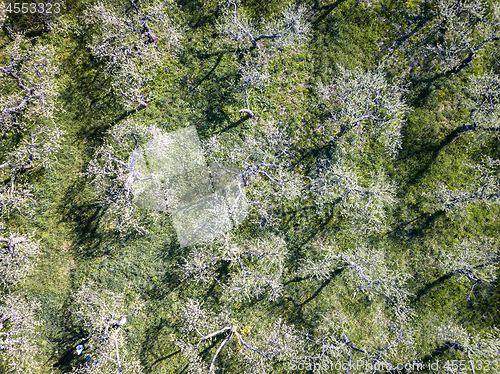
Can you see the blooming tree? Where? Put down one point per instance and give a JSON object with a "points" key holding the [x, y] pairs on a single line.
{"points": [[18, 321], [290, 30], [364, 105], [483, 105], [462, 30], [260, 165], [18, 333], [256, 265], [113, 173], [29, 78], [258, 351], [475, 347], [363, 200], [482, 189], [473, 260], [31, 70], [105, 315], [132, 38], [37, 151], [17, 258]]}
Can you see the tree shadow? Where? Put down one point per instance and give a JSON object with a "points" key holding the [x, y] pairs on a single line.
{"points": [[151, 336], [220, 56], [233, 125], [431, 154], [324, 11], [90, 103], [299, 307], [418, 225], [429, 286], [157, 361], [85, 216], [67, 340], [97, 110], [214, 118], [197, 17], [436, 352], [320, 288], [419, 21], [298, 235]]}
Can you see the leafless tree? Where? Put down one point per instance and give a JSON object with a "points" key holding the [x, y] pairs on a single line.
{"points": [[341, 335], [254, 74], [28, 107], [340, 341], [365, 268], [367, 113]]}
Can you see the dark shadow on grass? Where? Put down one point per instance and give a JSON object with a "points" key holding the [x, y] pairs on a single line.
{"points": [[433, 152], [300, 306], [325, 10], [157, 361], [151, 337], [418, 225], [93, 107], [197, 19], [298, 235], [220, 56], [436, 352], [429, 286], [320, 288], [233, 125], [85, 218], [69, 336]]}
